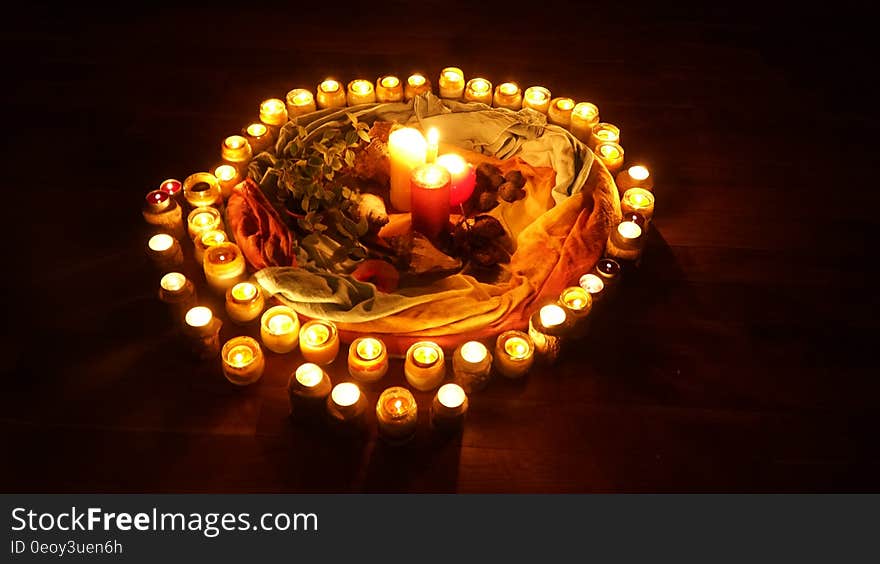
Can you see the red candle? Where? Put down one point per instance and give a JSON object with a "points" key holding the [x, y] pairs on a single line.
{"points": [[430, 186], [157, 200], [171, 186], [464, 177]]}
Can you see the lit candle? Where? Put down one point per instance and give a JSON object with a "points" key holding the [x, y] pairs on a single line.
{"points": [[244, 302], [508, 95], [206, 239], [173, 188], [416, 84], [464, 177], [360, 91], [308, 389], [407, 149], [449, 408], [425, 366], [514, 354], [331, 94], [560, 111], [346, 408], [626, 240], [546, 328], [635, 176], [472, 366], [608, 270], [258, 137], [430, 190], [397, 415], [236, 151], [299, 102], [577, 303], [224, 266], [367, 360], [319, 341], [242, 360], [165, 252], [604, 133], [611, 155], [162, 212], [203, 331], [204, 219], [273, 112], [202, 189], [640, 201], [227, 176], [537, 98], [433, 145], [478, 90], [279, 329], [584, 117], [179, 293], [451, 83], [594, 285], [389, 89]]}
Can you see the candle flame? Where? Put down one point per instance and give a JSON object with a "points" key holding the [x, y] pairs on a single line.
{"points": [[609, 151], [203, 219], [638, 172], [256, 130], [369, 348], [225, 172], [198, 316], [426, 355], [361, 86], [552, 315], [317, 334], [453, 74], [537, 94], [272, 106], [416, 80], [591, 283], [302, 97], [508, 88], [629, 230], [280, 324], [576, 298], [474, 352], [213, 238], [161, 242], [517, 348], [240, 356], [565, 104], [173, 282], [389, 81], [455, 164], [431, 176], [309, 375], [223, 253], [585, 110], [235, 142], [638, 198], [451, 396], [329, 86], [345, 394], [244, 291], [480, 86]]}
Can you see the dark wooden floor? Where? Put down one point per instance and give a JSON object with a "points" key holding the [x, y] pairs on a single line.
{"points": [[741, 357]]}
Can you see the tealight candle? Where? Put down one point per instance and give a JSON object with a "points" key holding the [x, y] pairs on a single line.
{"points": [[430, 191], [389, 89], [416, 84], [451, 83], [635, 176], [279, 329], [594, 285], [174, 188], [397, 415], [165, 252], [478, 90], [604, 133], [537, 98], [319, 341], [464, 177], [560, 111], [611, 155], [163, 214], [227, 176], [640, 201], [626, 240], [433, 140], [425, 366], [244, 302], [258, 137], [179, 293], [202, 189], [346, 408], [584, 117], [608, 270], [224, 266], [273, 112], [236, 151], [203, 219], [331, 94], [407, 149], [546, 328], [203, 330], [360, 91], [449, 408], [242, 360], [300, 102], [514, 354], [577, 303], [206, 239], [367, 360], [308, 389], [472, 366], [507, 95]]}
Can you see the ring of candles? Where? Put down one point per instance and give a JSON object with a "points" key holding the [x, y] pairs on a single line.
{"points": [[242, 360]]}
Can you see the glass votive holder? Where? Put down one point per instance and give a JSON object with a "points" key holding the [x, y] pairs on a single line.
{"points": [[547, 327], [273, 112], [224, 266], [330, 94], [279, 329], [201, 220], [207, 239], [577, 304], [360, 91], [508, 95], [201, 190], [449, 408], [178, 293], [627, 239], [236, 151], [389, 89], [397, 415], [308, 389], [258, 137], [604, 133], [425, 366], [608, 270], [163, 213], [640, 201], [537, 98], [416, 84], [227, 176], [635, 176], [347, 408], [559, 112], [203, 331], [478, 90], [244, 302], [594, 285], [611, 155], [173, 187], [165, 252], [300, 102], [471, 366], [367, 360], [319, 341], [584, 117], [242, 360], [514, 354], [451, 83]]}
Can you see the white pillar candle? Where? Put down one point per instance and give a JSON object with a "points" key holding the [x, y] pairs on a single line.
{"points": [[389, 89], [451, 83], [559, 112], [360, 91], [584, 117], [299, 102], [224, 266], [508, 95], [425, 366], [308, 389], [367, 360], [472, 366], [279, 329], [244, 302], [407, 150], [449, 408], [242, 360], [397, 415], [537, 98], [478, 90], [319, 341], [331, 94], [514, 354]]}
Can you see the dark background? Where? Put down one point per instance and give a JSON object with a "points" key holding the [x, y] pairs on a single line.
{"points": [[739, 358]]}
